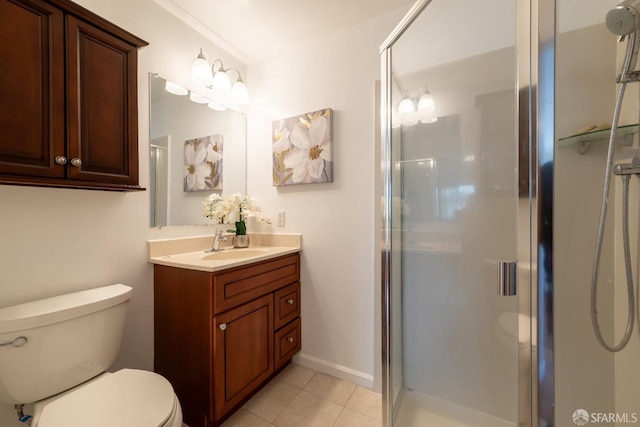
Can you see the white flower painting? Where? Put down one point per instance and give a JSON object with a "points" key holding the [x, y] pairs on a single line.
{"points": [[203, 163], [302, 149]]}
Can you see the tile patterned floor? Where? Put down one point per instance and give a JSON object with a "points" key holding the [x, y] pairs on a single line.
{"points": [[302, 397]]}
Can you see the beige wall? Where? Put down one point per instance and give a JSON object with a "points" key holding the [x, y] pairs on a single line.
{"points": [[56, 240], [335, 70]]}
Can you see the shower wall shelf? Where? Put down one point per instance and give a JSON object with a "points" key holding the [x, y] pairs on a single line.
{"points": [[623, 137]]}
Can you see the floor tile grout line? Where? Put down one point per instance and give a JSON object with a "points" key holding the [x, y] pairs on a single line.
{"points": [[355, 386], [286, 406], [338, 417], [298, 390], [351, 395], [363, 414], [290, 400]]}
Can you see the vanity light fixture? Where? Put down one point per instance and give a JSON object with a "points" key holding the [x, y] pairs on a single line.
{"points": [[174, 88], [239, 91], [219, 79], [426, 102], [406, 105], [198, 99], [426, 108], [201, 72], [409, 115]]}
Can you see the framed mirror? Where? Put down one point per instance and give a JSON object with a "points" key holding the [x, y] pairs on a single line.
{"points": [[195, 150]]}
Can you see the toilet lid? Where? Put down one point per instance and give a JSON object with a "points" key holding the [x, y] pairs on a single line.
{"points": [[128, 397]]}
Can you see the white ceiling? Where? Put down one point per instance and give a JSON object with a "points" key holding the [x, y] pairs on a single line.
{"points": [[249, 29]]}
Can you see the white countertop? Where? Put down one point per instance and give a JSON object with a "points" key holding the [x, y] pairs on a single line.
{"points": [[190, 253]]}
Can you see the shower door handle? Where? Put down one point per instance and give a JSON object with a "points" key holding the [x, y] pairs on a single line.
{"points": [[507, 278]]}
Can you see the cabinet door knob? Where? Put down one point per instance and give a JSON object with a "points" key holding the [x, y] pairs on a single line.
{"points": [[290, 339], [290, 301], [76, 161], [61, 160], [222, 326]]}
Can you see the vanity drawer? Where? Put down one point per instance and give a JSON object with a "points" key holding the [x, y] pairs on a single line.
{"points": [[287, 304], [243, 284], [288, 342]]}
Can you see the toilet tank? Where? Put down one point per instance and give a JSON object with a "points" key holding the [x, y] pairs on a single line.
{"points": [[51, 345]]}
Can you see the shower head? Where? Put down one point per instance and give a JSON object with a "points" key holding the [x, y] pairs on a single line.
{"points": [[624, 19]]}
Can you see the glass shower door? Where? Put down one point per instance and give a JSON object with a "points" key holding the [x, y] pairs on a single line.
{"points": [[452, 194]]}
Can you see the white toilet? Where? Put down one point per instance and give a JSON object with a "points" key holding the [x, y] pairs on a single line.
{"points": [[55, 352]]}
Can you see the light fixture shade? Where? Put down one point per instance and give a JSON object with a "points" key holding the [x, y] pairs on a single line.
{"points": [[201, 71], [221, 81], [406, 106], [426, 103], [239, 93], [175, 89], [215, 106], [198, 99]]}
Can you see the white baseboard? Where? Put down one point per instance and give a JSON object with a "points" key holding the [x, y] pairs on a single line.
{"points": [[335, 370]]}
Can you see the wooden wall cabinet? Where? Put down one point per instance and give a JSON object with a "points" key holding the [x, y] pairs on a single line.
{"points": [[68, 99], [220, 336]]}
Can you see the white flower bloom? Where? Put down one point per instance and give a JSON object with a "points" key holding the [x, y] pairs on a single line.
{"points": [[229, 209], [311, 148], [212, 155], [281, 138], [195, 168], [210, 208]]}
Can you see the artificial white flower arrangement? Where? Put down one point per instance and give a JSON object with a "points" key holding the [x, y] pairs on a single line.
{"points": [[232, 209]]}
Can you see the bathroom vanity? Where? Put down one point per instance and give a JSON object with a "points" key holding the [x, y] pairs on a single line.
{"points": [[225, 323]]}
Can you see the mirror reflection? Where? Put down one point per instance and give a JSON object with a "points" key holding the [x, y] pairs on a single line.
{"points": [[195, 150]]}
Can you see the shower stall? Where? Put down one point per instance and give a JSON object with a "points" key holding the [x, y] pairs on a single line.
{"points": [[496, 123]]}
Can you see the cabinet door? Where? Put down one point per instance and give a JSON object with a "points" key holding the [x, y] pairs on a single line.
{"points": [[31, 89], [102, 105], [243, 352]]}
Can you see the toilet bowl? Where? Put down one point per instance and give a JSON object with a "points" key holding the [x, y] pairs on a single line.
{"points": [[55, 353], [128, 397]]}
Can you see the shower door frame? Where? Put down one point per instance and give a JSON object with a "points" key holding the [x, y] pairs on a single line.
{"points": [[535, 48]]}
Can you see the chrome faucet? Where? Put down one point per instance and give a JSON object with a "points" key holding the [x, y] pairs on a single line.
{"points": [[217, 238]]}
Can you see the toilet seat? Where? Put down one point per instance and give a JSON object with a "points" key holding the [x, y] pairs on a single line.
{"points": [[126, 398]]}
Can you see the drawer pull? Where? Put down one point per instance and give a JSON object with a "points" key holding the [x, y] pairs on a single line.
{"points": [[290, 339], [76, 161], [222, 326], [61, 160], [290, 301]]}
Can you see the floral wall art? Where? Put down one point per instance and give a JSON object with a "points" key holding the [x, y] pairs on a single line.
{"points": [[302, 149], [203, 163]]}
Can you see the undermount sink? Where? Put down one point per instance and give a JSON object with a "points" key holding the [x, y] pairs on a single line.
{"points": [[233, 254]]}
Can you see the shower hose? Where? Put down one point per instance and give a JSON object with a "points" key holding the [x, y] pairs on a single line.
{"points": [[625, 240]]}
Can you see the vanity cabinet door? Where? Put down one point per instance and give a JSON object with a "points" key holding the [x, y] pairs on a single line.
{"points": [[102, 105], [243, 352], [31, 88]]}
